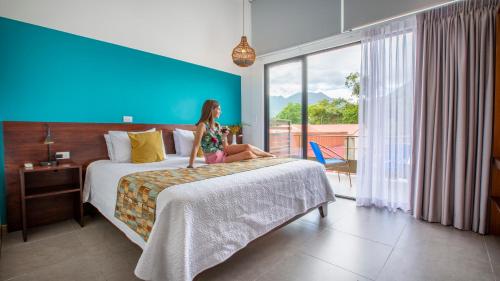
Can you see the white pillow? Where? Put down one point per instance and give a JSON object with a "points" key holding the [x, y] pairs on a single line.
{"points": [[109, 146], [176, 143], [184, 131], [121, 147], [162, 146], [185, 141]]}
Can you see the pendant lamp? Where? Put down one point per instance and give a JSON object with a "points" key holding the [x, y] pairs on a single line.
{"points": [[243, 54]]}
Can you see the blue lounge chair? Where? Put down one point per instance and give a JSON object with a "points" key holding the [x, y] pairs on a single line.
{"points": [[336, 160]]}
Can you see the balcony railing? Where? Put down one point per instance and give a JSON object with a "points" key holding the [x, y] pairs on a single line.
{"points": [[283, 141], [280, 138]]}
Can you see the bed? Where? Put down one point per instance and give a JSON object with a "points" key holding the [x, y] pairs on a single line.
{"points": [[202, 223]]}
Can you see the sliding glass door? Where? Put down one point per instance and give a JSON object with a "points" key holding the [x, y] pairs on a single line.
{"points": [[314, 99], [285, 109], [333, 90]]}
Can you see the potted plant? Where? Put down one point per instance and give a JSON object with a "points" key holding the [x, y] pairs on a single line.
{"points": [[235, 130]]}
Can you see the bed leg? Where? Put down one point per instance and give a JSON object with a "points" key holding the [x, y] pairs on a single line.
{"points": [[323, 210]]}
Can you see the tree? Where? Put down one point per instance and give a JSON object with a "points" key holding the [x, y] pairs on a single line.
{"points": [[348, 111], [350, 114], [336, 111], [292, 112], [323, 112], [352, 82]]}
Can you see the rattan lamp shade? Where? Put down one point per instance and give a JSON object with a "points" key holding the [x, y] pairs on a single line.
{"points": [[243, 54]]}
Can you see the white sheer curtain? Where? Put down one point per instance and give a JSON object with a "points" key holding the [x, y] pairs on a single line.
{"points": [[385, 115]]}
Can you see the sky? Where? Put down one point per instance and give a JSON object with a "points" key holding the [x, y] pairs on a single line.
{"points": [[326, 73]]}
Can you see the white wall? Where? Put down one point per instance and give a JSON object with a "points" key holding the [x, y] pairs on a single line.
{"points": [[197, 31]]}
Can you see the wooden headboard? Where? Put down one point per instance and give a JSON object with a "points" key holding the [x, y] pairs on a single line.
{"points": [[23, 142]]}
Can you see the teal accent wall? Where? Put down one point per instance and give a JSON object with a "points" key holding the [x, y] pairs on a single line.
{"points": [[52, 76]]}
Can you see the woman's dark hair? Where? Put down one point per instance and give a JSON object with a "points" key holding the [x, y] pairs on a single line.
{"points": [[206, 111]]}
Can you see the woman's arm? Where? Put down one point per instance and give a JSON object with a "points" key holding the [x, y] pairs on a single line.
{"points": [[224, 140], [224, 136], [200, 130]]}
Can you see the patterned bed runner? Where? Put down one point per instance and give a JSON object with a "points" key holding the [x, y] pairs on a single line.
{"points": [[137, 192]]}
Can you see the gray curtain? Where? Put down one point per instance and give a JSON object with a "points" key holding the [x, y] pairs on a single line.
{"points": [[453, 112]]}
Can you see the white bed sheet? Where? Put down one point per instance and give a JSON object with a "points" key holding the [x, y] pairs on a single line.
{"points": [[101, 182], [201, 224]]}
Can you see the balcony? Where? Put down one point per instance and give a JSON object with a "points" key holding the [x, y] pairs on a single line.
{"points": [[285, 140]]}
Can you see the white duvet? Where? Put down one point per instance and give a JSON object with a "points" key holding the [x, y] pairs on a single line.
{"points": [[201, 224]]}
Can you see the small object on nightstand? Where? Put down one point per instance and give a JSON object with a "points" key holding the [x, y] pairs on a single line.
{"points": [[48, 141], [42, 182], [62, 155], [28, 166]]}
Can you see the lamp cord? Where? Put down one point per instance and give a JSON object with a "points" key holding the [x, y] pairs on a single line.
{"points": [[243, 17]]}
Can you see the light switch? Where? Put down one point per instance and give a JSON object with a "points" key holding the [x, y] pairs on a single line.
{"points": [[128, 119], [62, 155]]}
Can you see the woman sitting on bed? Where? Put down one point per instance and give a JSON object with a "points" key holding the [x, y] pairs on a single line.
{"points": [[213, 140]]}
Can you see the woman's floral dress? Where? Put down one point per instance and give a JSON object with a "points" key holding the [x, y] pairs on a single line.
{"points": [[212, 139]]}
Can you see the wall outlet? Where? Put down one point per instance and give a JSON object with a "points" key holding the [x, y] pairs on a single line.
{"points": [[62, 155], [128, 119]]}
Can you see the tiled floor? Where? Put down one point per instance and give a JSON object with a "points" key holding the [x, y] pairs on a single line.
{"points": [[350, 244], [341, 185]]}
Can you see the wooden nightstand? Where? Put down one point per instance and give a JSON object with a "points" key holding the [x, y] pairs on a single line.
{"points": [[41, 182]]}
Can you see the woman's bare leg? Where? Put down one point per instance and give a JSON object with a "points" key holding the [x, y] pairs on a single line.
{"points": [[238, 148], [259, 152], [245, 155]]}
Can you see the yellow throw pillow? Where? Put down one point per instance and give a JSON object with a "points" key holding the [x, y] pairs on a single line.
{"points": [[200, 152], [146, 147]]}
